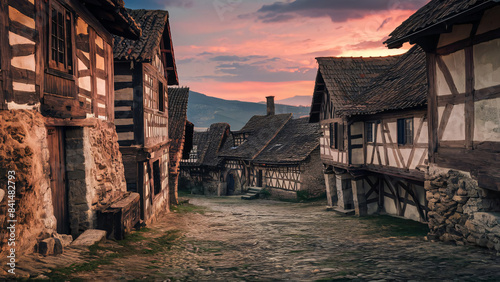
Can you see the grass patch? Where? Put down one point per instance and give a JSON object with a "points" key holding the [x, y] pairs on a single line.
{"points": [[188, 208], [135, 243], [389, 226]]}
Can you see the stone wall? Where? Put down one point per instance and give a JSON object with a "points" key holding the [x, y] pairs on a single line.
{"points": [[94, 171], [204, 183], [24, 149], [311, 177], [461, 211]]}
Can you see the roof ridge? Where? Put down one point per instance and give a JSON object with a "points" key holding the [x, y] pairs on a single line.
{"points": [[271, 139]]}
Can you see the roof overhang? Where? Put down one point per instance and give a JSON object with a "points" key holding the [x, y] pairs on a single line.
{"points": [[167, 54], [442, 26], [114, 17]]}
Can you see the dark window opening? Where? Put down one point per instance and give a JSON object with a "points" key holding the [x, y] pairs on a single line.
{"points": [[333, 127], [337, 136], [405, 131], [60, 43], [369, 131], [161, 97], [157, 177]]}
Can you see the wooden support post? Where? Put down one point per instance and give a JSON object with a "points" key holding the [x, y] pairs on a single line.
{"points": [[344, 191], [359, 197], [381, 196], [331, 189]]}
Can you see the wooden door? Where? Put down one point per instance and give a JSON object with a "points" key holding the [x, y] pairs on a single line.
{"points": [[230, 184], [58, 178], [259, 178]]}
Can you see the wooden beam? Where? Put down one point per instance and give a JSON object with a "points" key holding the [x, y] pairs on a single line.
{"points": [[86, 122], [469, 97], [432, 106]]}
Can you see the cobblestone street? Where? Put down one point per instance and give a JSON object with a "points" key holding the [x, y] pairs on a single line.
{"points": [[233, 240]]}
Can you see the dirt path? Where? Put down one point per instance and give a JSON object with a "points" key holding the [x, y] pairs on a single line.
{"points": [[234, 240]]}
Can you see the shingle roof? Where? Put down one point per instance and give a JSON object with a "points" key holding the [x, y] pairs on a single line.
{"points": [[208, 144], [294, 143], [261, 130], [155, 27], [346, 78], [177, 116], [114, 17], [432, 15], [403, 85]]}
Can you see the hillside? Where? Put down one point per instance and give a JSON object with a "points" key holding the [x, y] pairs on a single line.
{"points": [[301, 100], [204, 110]]}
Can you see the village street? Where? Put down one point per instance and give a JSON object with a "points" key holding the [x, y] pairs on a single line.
{"points": [[229, 239]]}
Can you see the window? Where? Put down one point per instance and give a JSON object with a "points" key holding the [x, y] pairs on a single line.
{"points": [[239, 139], [333, 127], [157, 177], [369, 131], [60, 48], [405, 131], [337, 136], [161, 97]]}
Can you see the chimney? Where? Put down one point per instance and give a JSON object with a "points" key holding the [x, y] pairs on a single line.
{"points": [[270, 105]]}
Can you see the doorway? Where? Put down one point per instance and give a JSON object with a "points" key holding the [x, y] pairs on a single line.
{"points": [[230, 184], [55, 136]]}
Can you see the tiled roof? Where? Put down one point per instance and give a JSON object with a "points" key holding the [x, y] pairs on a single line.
{"points": [[177, 116], [434, 14], [402, 86], [347, 78], [155, 27], [260, 130], [208, 144], [114, 17], [294, 143]]}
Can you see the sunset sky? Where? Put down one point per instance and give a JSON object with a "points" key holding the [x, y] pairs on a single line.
{"points": [[248, 49]]}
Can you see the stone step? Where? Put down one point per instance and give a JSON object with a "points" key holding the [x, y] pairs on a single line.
{"points": [[340, 210], [89, 238], [254, 190], [250, 196]]}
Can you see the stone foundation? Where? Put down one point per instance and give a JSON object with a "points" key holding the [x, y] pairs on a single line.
{"points": [[24, 149], [94, 173], [461, 211]]}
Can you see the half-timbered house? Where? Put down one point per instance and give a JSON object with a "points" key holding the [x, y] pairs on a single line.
{"points": [[143, 70], [462, 44], [274, 152], [56, 96], [201, 169], [180, 132], [373, 149], [289, 166]]}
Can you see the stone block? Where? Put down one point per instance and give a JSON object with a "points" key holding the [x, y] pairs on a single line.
{"points": [[58, 247], [460, 199], [461, 192], [89, 237], [46, 246], [65, 239]]}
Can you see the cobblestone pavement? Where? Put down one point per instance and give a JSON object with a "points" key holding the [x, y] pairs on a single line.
{"points": [[234, 240]]}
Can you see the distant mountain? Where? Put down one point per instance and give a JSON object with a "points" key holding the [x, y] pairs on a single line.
{"points": [[301, 100], [204, 110]]}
